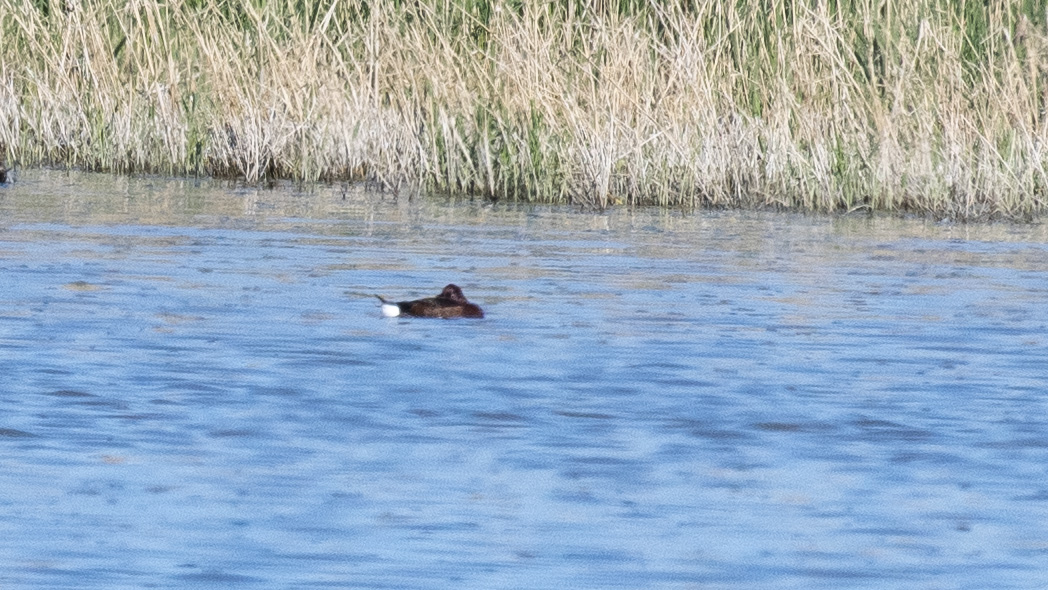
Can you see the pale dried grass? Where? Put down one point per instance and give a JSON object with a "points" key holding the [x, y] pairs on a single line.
{"points": [[884, 105]]}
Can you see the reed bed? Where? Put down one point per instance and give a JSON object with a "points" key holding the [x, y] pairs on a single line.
{"points": [[935, 107]]}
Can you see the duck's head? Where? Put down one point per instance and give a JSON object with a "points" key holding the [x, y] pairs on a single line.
{"points": [[453, 293]]}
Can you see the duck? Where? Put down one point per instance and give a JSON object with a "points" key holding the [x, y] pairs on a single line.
{"points": [[451, 303]]}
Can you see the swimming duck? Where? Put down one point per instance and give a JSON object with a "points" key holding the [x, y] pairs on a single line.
{"points": [[451, 303]]}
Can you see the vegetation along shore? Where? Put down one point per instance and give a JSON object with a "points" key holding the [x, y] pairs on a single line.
{"points": [[935, 107]]}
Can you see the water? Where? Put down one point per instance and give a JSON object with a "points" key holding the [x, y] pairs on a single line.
{"points": [[199, 391]]}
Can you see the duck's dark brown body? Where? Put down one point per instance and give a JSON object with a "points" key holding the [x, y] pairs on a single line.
{"points": [[451, 303]]}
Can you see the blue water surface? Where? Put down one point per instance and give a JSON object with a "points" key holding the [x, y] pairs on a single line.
{"points": [[199, 391]]}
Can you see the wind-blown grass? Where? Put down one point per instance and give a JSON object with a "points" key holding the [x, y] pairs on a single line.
{"points": [[926, 106]]}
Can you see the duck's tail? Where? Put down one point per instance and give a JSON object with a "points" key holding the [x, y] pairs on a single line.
{"points": [[389, 309]]}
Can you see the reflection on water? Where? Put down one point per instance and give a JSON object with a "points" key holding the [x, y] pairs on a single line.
{"points": [[199, 391]]}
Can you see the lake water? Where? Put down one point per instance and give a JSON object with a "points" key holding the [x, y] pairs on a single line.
{"points": [[198, 390]]}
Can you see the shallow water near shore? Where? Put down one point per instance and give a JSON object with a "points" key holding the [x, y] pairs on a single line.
{"points": [[199, 391]]}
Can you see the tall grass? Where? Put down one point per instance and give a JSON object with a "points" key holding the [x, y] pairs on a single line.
{"points": [[927, 106]]}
